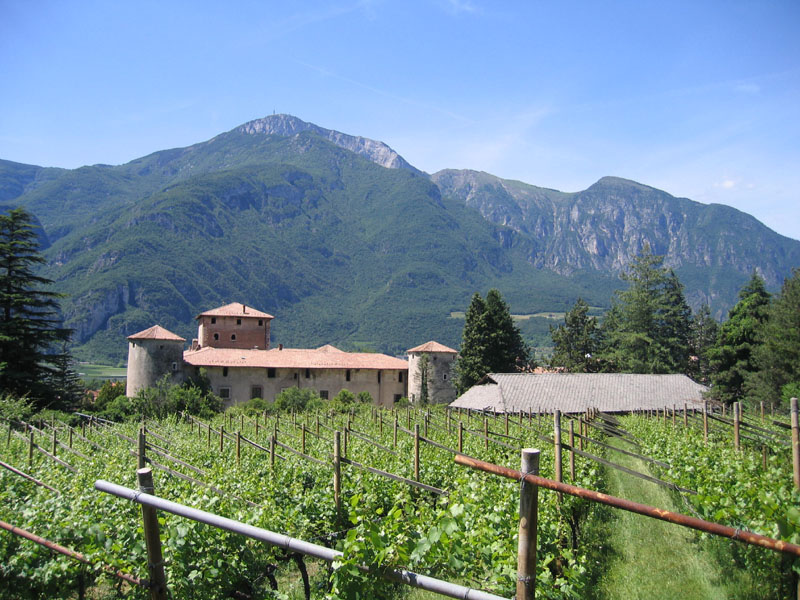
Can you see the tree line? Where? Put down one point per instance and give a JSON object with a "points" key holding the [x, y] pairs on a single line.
{"points": [[754, 355]]}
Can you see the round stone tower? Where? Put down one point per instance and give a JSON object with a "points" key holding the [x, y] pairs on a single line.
{"points": [[439, 369], [153, 353]]}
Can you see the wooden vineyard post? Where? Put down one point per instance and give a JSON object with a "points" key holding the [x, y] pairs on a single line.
{"points": [[425, 419], [736, 425], [460, 437], [795, 444], [55, 442], [580, 431], [762, 411], [380, 422], [337, 474], [142, 463], [70, 437], [486, 430], [685, 416], [303, 438], [83, 428], [317, 424], [571, 452], [416, 452], [673, 416], [506, 416], [31, 444], [238, 448], [557, 444], [221, 437], [395, 431], [705, 422], [241, 422], [528, 524], [344, 441], [152, 539], [408, 417], [272, 451], [208, 440]]}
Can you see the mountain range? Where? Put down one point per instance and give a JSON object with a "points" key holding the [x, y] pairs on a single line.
{"points": [[345, 242]]}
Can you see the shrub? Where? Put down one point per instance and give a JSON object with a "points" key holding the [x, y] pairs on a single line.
{"points": [[296, 399]]}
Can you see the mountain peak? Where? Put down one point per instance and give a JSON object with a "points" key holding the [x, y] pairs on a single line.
{"points": [[287, 126]]}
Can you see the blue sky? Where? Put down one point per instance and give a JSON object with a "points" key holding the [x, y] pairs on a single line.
{"points": [[700, 99]]}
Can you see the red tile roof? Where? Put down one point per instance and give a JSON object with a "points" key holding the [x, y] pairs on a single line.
{"points": [[156, 332], [432, 347], [235, 309], [326, 357]]}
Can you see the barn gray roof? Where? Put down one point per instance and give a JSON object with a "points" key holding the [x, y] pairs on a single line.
{"points": [[575, 392]]}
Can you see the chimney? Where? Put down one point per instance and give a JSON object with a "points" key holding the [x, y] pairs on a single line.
{"points": [[280, 346], [244, 309]]}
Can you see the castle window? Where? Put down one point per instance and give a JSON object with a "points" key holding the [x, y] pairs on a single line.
{"points": [[323, 394], [225, 393], [397, 397], [161, 347], [295, 375], [444, 376], [379, 376], [271, 372], [347, 375], [261, 322], [213, 320], [174, 366], [233, 337], [224, 371], [238, 321], [256, 392], [400, 377], [216, 337], [308, 373]]}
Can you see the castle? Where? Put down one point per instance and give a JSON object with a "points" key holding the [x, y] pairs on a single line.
{"points": [[233, 348]]}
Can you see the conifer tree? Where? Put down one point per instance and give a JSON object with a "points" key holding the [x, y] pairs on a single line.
{"points": [[777, 355], [702, 337], [30, 325], [490, 343], [732, 356], [577, 341], [647, 328]]}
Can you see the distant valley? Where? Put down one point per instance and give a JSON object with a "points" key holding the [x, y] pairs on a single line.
{"points": [[345, 242]]}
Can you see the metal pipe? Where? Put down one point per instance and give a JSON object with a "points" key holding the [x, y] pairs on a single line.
{"points": [[292, 544], [642, 509]]}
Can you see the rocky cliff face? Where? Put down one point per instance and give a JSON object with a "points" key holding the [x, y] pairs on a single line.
{"points": [[287, 126], [604, 227]]}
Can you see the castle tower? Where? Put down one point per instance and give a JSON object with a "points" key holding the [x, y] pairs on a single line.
{"points": [[234, 326], [152, 353], [439, 368]]}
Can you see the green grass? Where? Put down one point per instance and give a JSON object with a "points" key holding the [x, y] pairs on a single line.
{"points": [[90, 371], [649, 558]]}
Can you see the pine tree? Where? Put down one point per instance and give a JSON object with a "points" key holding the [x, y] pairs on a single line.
{"points": [[732, 356], [702, 337], [577, 341], [490, 343], [777, 355], [647, 328], [30, 325]]}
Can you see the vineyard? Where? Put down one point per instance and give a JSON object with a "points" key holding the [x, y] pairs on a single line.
{"points": [[401, 500]]}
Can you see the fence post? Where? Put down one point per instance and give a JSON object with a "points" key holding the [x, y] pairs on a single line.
{"points": [[486, 430], [141, 453], [736, 425], [238, 448], [528, 523], [460, 437], [55, 442], [31, 444], [416, 452], [795, 444], [705, 422], [303, 437], [395, 431], [557, 444], [221, 436], [685, 416], [337, 474], [506, 415], [70, 437], [571, 452], [152, 538]]}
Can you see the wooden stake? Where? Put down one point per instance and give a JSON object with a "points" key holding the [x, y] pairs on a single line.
{"points": [[736, 425], [238, 448], [416, 452], [31, 444], [460, 437], [705, 422], [142, 463], [528, 525], [557, 444], [795, 444], [395, 430], [337, 475], [486, 430], [272, 451], [152, 538], [571, 452], [221, 436]]}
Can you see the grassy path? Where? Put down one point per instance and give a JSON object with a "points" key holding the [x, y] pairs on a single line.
{"points": [[649, 558]]}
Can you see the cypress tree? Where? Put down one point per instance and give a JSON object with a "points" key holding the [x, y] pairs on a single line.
{"points": [[30, 325], [702, 337], [490, 343]]}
